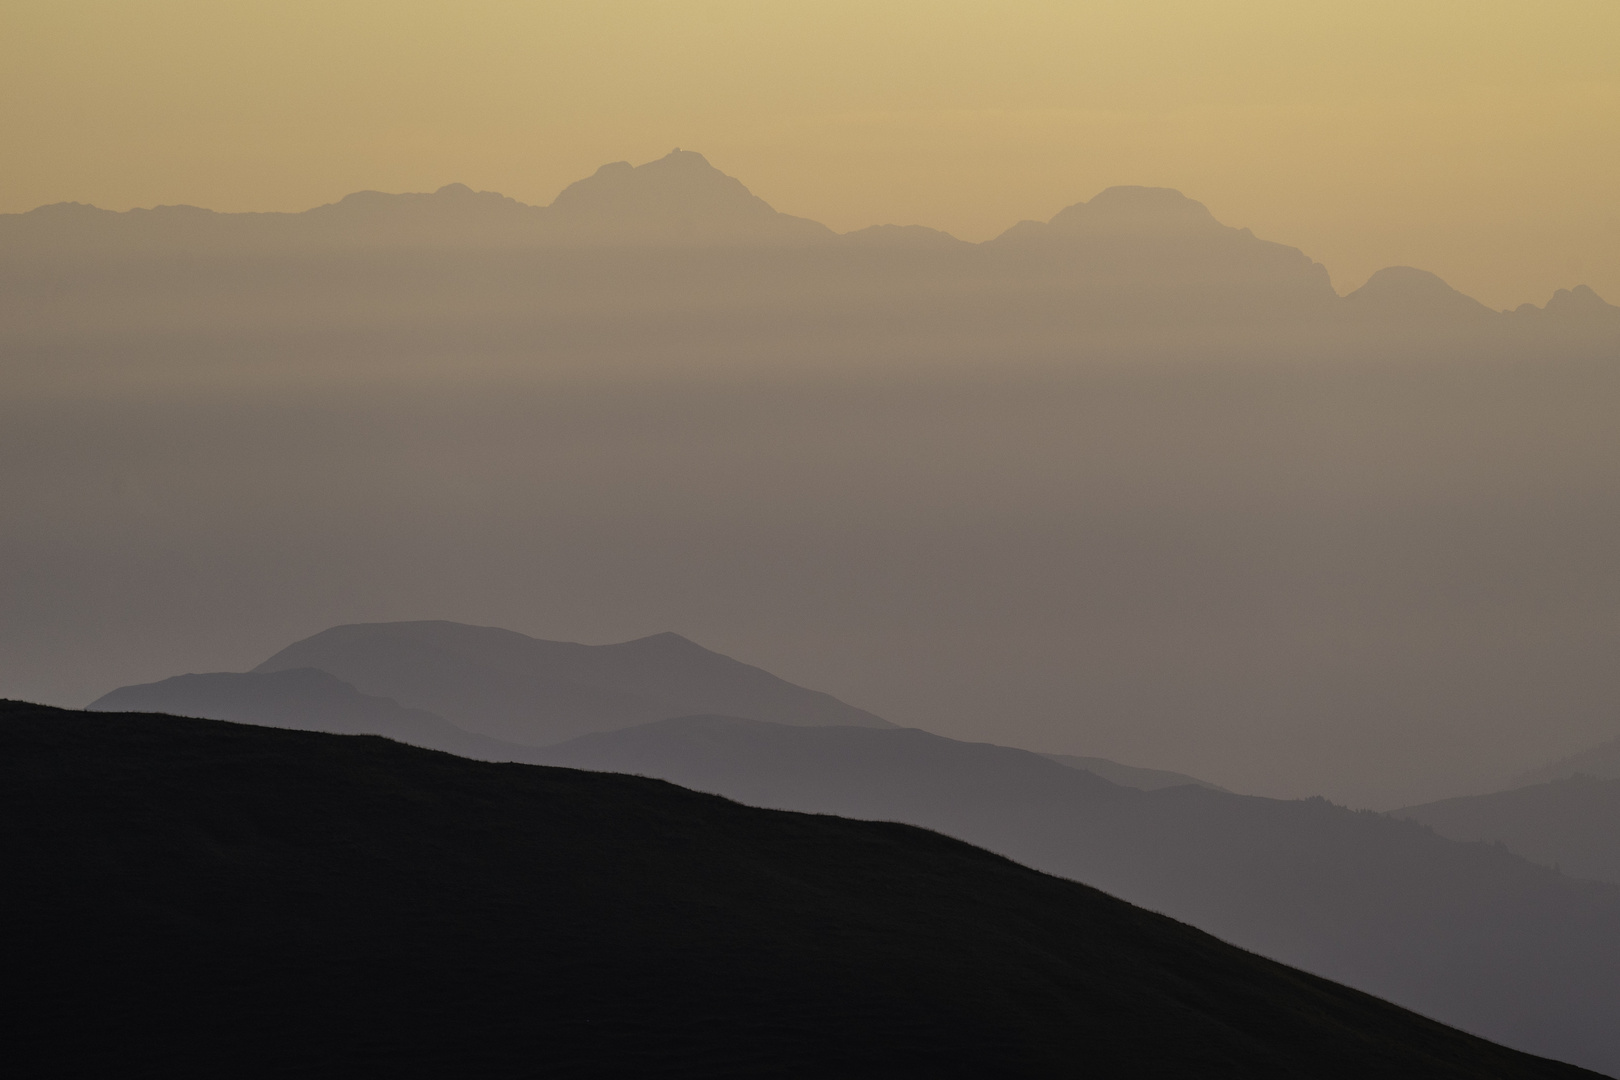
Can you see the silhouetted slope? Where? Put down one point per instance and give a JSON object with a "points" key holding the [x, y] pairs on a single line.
{"points": [[521, 689], [1467, 933], [195, 898], [1572, 823], [1130, 775], [304, 699]]}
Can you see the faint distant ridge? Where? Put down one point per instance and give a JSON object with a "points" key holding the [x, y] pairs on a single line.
{"points": [[1130, 254], [453, 212], [302, 699], [1574, 306], [1571, 823], [1132, 210], [1602, 761], [1404, 292], [680, 198], [1149, 240], [1123, 211], [1131, 776], [508, 686]]}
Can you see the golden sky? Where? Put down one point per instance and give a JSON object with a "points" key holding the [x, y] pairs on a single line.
{"points": [[1478, 139]]}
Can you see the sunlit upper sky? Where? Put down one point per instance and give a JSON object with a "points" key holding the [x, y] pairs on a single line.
{"points": [[1478, 139]]}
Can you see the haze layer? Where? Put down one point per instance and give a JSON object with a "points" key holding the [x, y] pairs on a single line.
{"points": [[1476, 140]]}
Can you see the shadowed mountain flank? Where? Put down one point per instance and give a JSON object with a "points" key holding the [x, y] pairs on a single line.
{"points": [[293, 903], [519, 689], [1572, 823], [1467, 933]]}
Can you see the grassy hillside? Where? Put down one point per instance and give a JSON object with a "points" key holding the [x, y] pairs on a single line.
{"points": [[190, 897]]}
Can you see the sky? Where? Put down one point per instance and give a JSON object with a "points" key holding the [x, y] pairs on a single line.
{"points": [[1478, 139]]}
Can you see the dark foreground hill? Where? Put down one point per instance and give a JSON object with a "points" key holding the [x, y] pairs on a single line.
{"points": [[1467, 933], [188, 897]]}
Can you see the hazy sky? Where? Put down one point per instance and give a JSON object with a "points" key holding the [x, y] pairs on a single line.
{"points": [[1478, 139]]}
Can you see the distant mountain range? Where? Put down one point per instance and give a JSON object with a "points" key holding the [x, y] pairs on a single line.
{"points": [[1140, 254], [305, 699], [1565, 814], [519, 689], [510, 694], [1572, 823], [1602, 761], [193, 898], [1465, 932]]}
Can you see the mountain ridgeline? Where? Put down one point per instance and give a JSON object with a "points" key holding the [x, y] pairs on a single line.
{"points": [[1469, 933], [509, 686], [213, 899], [676, 253]]}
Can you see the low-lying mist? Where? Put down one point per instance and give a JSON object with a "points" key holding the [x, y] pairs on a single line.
{"points": [[1378, 581]]}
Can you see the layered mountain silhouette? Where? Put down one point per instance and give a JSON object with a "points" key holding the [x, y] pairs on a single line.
{"points": [[1572, 822], [1402, 293], [1564, 814], [1602, 760], [1129, 775], [203, 898], [1130, 256], [304, 699], [1467, 933], [679, 198], [527, 687], [507, 686], [1144, 234]]}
